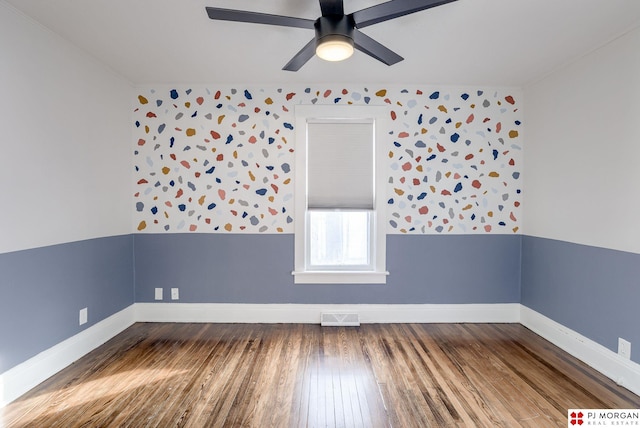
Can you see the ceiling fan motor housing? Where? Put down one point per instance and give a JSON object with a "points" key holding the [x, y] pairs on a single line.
{"points": [[334, 27]]}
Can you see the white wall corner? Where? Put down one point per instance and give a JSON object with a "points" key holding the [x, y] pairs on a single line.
{"points": [[25, 376], [622, 371]]}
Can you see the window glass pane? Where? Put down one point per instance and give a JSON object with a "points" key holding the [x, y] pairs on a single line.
{"points": [[339, 238]]}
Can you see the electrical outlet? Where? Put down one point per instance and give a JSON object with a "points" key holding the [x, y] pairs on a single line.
{"points": [[175, 294], [624, 348], [158, 293], [84, 316]]}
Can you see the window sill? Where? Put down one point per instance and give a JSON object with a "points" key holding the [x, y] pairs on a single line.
{"points": [[339, 277]]}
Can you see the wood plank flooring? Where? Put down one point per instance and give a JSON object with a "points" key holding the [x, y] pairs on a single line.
{"points": [[300, 375]]}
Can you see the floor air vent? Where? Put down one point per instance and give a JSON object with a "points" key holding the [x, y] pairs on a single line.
{"points": [[339, 319]]}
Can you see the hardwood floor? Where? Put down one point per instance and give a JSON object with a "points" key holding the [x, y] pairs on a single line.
{"points": [[290, 375]]}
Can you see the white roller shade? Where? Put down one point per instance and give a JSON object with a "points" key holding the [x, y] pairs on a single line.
{"points": [[340, 164]]}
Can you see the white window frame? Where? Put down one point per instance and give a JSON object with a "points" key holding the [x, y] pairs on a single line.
{"points": [[376, 273]]}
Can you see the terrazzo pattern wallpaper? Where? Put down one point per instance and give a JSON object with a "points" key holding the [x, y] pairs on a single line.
{"points": [[221, 159]]}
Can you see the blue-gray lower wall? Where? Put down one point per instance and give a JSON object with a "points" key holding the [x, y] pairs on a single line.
{"points": [[251, 268], [593, 291], [42, 291]]}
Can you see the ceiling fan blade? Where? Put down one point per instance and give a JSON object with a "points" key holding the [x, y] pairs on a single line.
{"points": [[366, 44], [331, 7], [392, 9], [301, 58], [258, 18]]}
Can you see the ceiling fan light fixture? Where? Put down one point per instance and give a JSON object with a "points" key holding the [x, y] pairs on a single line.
{"points": [[334, 47]]}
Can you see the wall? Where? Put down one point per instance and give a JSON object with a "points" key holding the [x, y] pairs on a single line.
{"points": [[65, 183], [249, 268], [580, 255], [221, 159], [44, 288], [218, 162]]}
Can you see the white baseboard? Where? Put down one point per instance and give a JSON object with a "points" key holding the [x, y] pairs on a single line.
{"points": [[23, 377], [310, 314], [624, 372]]}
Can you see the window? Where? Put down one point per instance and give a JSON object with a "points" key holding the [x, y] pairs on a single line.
{"points": [[339, 228], [339, 240]]}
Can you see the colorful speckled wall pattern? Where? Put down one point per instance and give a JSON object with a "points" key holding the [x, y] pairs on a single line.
{"points": [[221, 159]]}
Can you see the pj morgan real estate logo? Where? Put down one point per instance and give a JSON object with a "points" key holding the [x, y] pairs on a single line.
{"points": [[603, 418]]}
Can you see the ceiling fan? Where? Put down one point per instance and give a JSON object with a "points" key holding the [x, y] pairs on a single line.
{"points": [[337, 34]]}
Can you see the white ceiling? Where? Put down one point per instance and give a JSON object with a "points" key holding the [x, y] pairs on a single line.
{"points": [[468, 42]]}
